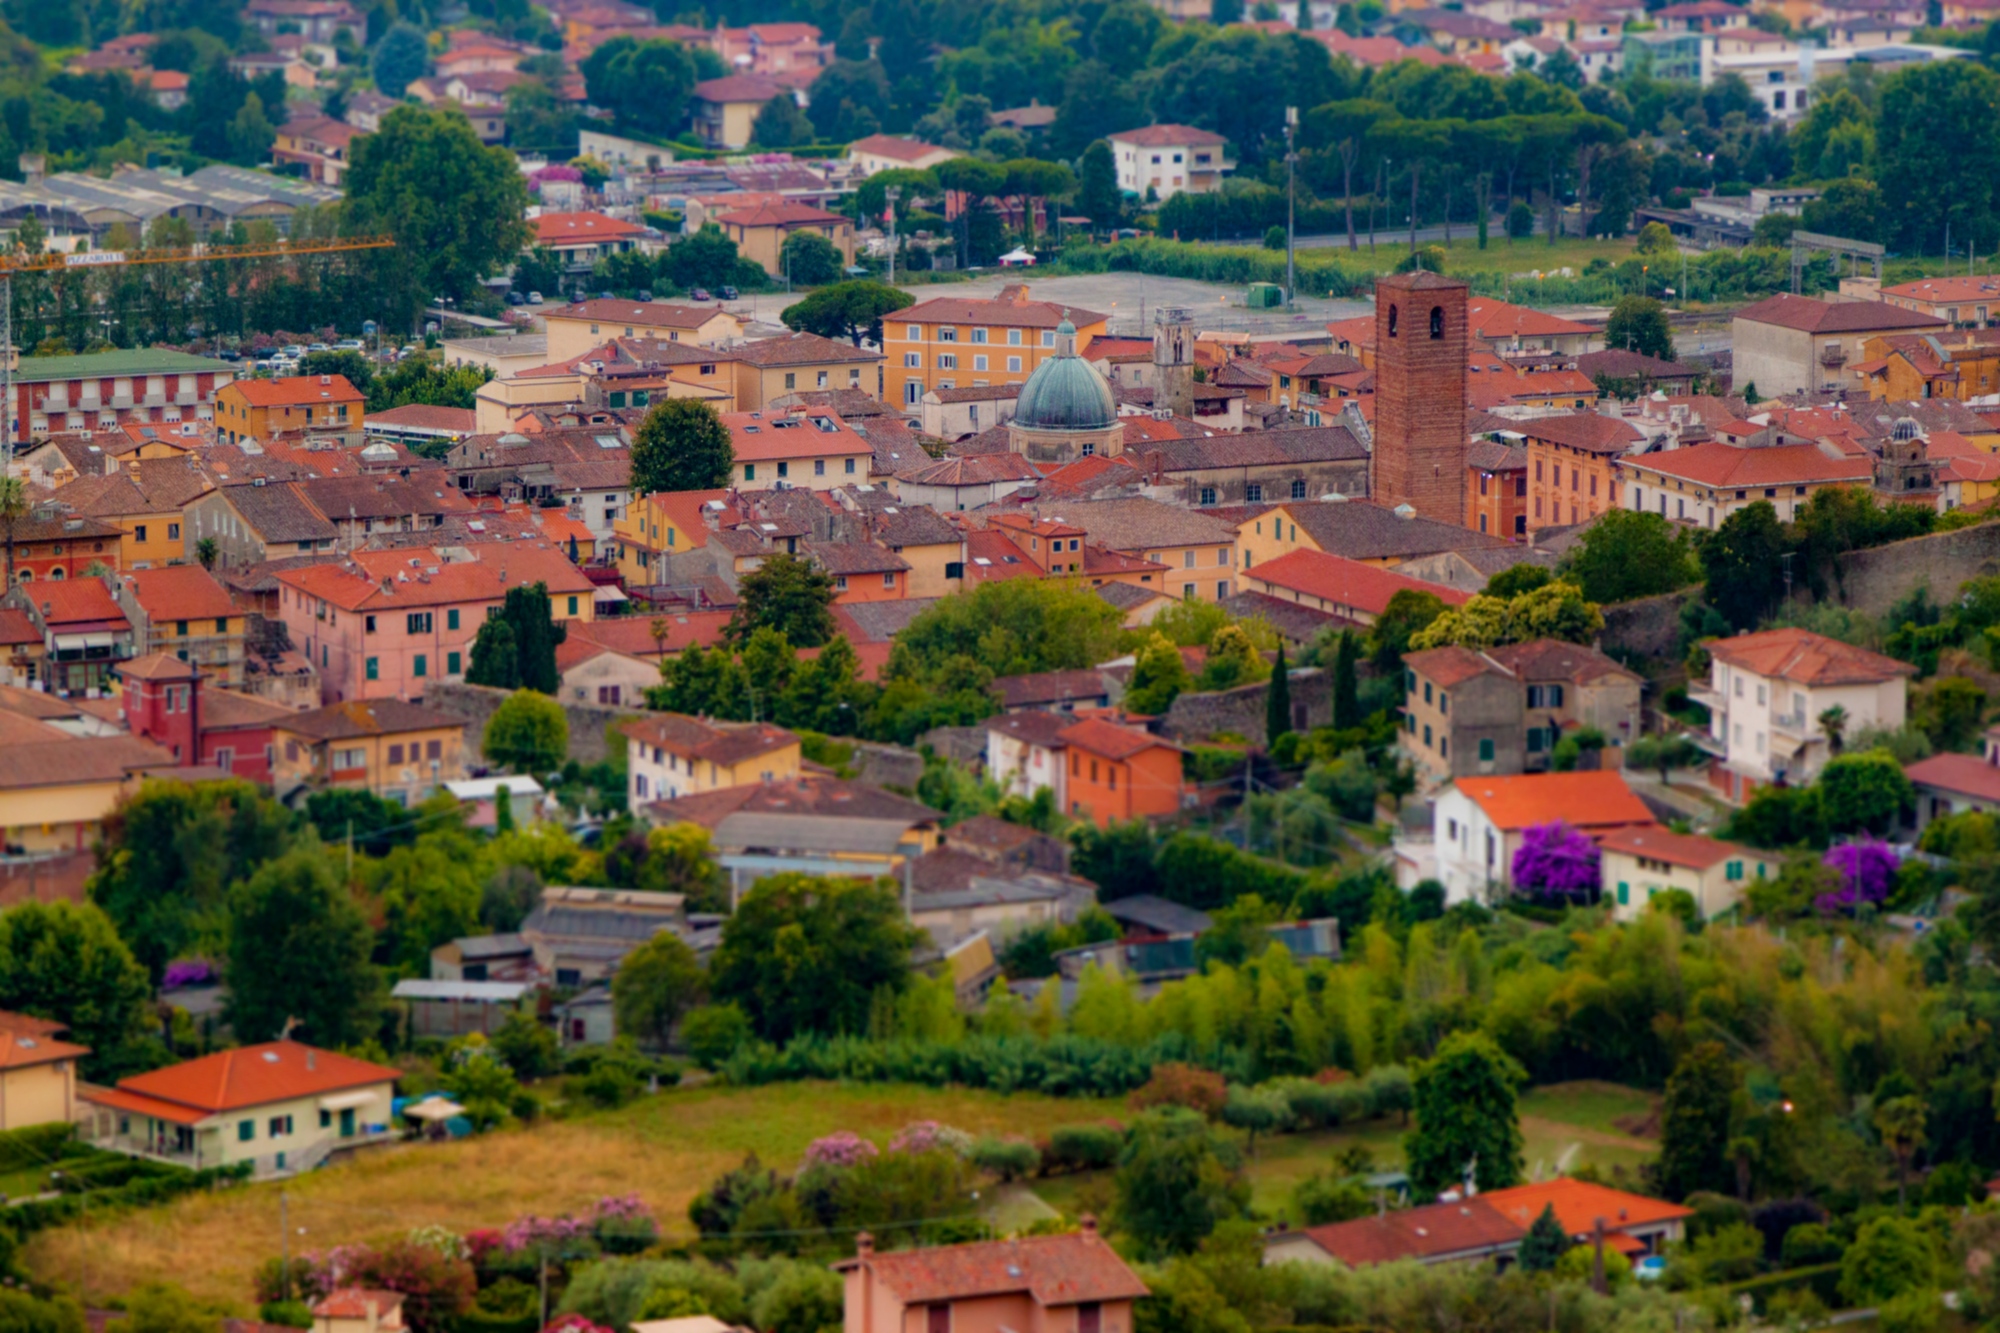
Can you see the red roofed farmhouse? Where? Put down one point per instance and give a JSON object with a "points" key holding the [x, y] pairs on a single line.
{"points": [[280, 1106], [1950, 784], [581, 239], [1478, 823], [1034, 1284]]}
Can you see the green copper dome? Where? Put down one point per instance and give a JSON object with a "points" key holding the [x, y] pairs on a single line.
{"points": [[1065, 392]]}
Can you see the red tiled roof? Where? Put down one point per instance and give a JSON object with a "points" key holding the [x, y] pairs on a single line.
{"points": [[1807, 315], [271, 1071], [1806, 658], [633, 635], [1727, 465], [1449, 666], [1579, 1204], [65, 602], [1168, 136], [780, 215], [294, 390], [651, 314], [19, 1049], [577, 228], [760, 436], [1965, 774], [425, 416], [357, 1303], [758, 88], [1584, 800], [1418, 1233], [1681, 849], [1948, 289], [1110, 740], [1344, 582], [1054, 1270], [1592, 432], [179, 592], [1497, 320]]}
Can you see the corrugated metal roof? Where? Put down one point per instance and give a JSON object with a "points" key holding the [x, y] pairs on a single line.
{"points": [[813, 833]]}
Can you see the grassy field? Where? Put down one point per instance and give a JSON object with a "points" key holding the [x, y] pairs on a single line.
{"points": [[667, 1148]]}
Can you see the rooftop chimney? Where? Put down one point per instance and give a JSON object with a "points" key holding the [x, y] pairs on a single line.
{"points": [[864, 1244]]}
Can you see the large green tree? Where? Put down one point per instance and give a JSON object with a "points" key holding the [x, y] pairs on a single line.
{"points": [[516, 649], [400, 57], [1694, 1124], [168, 856], [789, 594], [1175, 1182], [528, 733], [455, 206], [644, 84], [1741, 562], [1466, 1116], [299, 949], [851, 310], [1627, 554], [682, 445], [809, 259], [657, 983], [429, 893], [1937, 155], [64, 962], [1639, 324], [808, 955]]}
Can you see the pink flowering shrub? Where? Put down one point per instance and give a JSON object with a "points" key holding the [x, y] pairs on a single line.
{"points": [[930, 1136], [1556, 861], [623, 1224], [1867, 871], [841, 1150]]}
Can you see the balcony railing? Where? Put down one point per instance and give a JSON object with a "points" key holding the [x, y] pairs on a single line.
{"points": [[1832, 356], [1791, 724]]}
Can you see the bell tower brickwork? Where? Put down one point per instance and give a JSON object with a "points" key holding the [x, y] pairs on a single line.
{"points": [[1420, 369]]}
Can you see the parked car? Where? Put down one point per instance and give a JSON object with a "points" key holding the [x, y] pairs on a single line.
{"points": [[514, 298], [534, 298], [729, 293], [645, 293], [321, 347], [348, 345], [700, 294]]}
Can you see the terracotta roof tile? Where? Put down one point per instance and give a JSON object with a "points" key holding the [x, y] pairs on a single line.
{"points": [[1344, 582], [1054, 1270], [1807, 315], [1418, 1233], [179, 592], [256, 1075], [1681, 849], [1806, 658], [1584, 800], [1579, 1203], [1097, 736], [296, 390]]}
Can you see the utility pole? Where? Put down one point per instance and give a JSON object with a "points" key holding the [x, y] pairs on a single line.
{"points": [[1291, 204]]}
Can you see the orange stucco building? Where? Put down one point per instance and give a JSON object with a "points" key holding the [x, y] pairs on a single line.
{"points": [[1118, 773]]}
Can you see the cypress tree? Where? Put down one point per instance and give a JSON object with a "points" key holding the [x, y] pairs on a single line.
{"points": [[1346, 692], [1278, 701], [1544, 1244]]}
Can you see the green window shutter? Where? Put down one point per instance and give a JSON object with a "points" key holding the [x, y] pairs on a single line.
{"points": [[246, 1130], [374, 669], [421, 667], [451, 661], [1624, 894], [1486, 752]]}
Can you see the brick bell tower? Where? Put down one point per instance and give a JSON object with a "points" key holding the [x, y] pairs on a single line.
{"points": [[1420, 359]]}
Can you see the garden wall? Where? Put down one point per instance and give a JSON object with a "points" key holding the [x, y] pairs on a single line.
{"points": [[1646, 629], [476, 703], [1240, 712], [1873, 580]]}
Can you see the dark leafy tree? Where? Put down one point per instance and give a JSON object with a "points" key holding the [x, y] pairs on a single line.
{"points": [[781, 124], [400, 57], [644, 84], [1741, 562], [682, 445], [1627, 554], [1694, 1124], [516, 649], [803, 954], [1278, 701], [64, 962], [851, 310], [528, 733], [1467, 1121], [1938, 154], [788, 594], [1175, 1182], [657, 983], [1098, 196], [1346, 686], [296, 908], [809, 260], [454, 205], [1639, 324], [1545, 1243]]}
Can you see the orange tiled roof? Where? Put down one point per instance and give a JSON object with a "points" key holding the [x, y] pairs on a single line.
{"points": [[1806, 658], [1417, 1233], [298, 390], [1334, 578], [1111, 740], [578, 228], [1727, 465], [1054, 1270], [1583, 800], [1579, 1204], [180, 592], [272, 1071], [1681, 849]]}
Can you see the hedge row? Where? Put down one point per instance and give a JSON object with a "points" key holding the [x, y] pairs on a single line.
{"points": [[1822, 1279], [40, 1145], [32, 1216], [1061, 1066]]}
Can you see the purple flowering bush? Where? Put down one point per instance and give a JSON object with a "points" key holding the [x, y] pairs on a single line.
{"points": [[930, 1136], [187, 972], [623, 1224], [1556, 861], [839, 1151], [1867, 870]]}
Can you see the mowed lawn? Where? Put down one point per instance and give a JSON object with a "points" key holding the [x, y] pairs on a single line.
{"points": [[667, 1148]]}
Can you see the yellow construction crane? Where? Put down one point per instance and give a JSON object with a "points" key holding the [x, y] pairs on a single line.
{"points": [[17, 263]]}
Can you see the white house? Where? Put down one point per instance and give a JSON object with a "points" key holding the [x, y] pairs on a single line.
{"points": [[1767, 695], [1160, 161], [1640, 862], [669, 756], [1024, 753], [1952, 784], [1477, 824]]}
